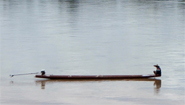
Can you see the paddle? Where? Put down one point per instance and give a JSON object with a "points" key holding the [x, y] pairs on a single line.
{"points": [[23, 74]]}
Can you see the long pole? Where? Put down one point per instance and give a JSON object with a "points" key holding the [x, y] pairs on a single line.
{"points": [[23, 74]]}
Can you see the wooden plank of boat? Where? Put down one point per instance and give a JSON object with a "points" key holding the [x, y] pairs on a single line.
{"points": [[94, 76]]}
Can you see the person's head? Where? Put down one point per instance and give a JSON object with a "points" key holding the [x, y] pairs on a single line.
{"points": [[157, 66]]}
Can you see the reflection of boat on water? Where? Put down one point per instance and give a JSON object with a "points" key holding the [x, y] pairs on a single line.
{"points": [[157, 82]]}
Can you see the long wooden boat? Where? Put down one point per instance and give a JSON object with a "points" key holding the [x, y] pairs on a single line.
{"points": [[94, 76]]}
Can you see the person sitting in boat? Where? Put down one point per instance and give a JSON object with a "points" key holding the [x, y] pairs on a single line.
{"points": [[43, 72], [158, 70]]}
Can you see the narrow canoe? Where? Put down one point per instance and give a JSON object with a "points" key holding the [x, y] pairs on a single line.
{"points": [[95, 76]]}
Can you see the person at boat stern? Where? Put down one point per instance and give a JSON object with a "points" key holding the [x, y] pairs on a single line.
{"points": [[43, 73], [158, 70]]}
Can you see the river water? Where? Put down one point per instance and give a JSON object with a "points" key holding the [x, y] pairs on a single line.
{"points": [[92, 37]]}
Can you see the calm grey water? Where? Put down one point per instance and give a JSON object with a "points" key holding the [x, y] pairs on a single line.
{"points": [[92, 37]]}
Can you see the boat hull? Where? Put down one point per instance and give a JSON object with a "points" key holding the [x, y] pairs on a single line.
{"points": [[95, 76]]}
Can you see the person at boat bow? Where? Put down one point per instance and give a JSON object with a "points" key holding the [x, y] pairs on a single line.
{"points": [[158, 70]]}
